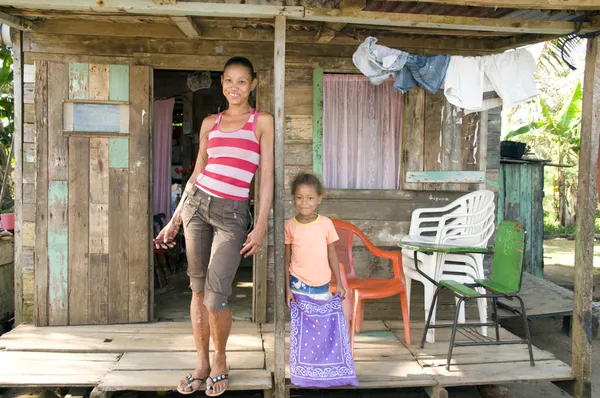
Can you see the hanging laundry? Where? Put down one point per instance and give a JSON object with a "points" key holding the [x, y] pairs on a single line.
{"points": [[320, 353], [379, 63], [509, 74]]}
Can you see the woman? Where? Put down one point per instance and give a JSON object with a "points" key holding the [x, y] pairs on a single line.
{"points": [[214, 214]]}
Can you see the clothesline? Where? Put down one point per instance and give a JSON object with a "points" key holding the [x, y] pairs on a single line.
{"points": [[472, 83]]}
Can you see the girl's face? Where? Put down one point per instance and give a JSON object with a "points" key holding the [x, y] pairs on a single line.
{"points": [[237, 84], [306, 199]]}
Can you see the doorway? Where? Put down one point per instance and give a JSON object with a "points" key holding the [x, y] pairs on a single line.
{"points": [[182, 99]]}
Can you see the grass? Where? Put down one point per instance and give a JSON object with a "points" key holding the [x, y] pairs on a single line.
{"points": [[551, 227]]}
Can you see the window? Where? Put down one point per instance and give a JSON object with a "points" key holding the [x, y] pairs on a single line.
{"points": [[362, 133]]}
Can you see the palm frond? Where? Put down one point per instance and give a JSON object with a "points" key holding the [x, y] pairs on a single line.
{"points": [[559, 53]]}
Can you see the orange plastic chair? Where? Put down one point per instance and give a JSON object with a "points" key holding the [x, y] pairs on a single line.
{"points": [[369, 288]]}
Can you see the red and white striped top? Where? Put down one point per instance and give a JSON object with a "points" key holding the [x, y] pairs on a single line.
{"points": [[233, 158]]}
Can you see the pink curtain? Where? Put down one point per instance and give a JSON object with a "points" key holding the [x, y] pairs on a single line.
{"points": [[362, 131], [163, 133]]}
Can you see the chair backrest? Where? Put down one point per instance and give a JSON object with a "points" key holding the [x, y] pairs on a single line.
{"points": [[507, 265], [472, 229], [343, 246]]}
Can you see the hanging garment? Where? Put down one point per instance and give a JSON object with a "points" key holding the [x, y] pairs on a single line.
{"points": [[320, 353], [510, 75], [427, 71], [379, 63]]}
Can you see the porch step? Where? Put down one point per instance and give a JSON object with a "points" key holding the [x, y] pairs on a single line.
{"points": [[166, 380]]}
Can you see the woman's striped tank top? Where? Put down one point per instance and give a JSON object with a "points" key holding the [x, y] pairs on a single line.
{"points": [[233, 158]]}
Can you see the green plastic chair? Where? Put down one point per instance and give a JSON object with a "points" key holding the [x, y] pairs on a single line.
{"points": [[507, 273]]}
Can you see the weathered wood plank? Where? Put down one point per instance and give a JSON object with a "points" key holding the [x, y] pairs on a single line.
{"points": [[41, 184], [28, 152], [98, 85], [98, 291], [58, 252], [19, 137], [281, 103], [413, 132], [58, 146], [186, 360], [299, 101], [586, 213], [451, 140], [432, 148], [118, 153], [29, 132], [299, 128], [79, 265], [317, 135], [140, 261], [454, 177], [78, 80], [99, 181], [28, 113], [245, 380], [119, 83], [298, 153], [118, 225], [98, 230]]}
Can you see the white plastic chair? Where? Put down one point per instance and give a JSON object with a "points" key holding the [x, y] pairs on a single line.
{"points": [[468, 221]]}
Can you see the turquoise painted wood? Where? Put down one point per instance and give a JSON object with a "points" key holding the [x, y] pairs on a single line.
{"points": [[445, 176], [78, 80], [520, 197], [58, 246], [118, 83], [318, 122], [118, 153]]}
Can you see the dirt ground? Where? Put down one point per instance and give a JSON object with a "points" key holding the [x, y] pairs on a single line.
{"points": [[546, 334]]}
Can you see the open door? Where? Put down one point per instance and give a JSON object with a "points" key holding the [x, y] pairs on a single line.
{"points": [[93, 193]]}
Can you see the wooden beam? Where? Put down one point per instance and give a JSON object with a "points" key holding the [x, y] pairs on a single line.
{"points": [[586, 214], [330, 29], [278, 205], [443, 22], [522, 40], [144, 7], [187, 26], [16, 22], [72, 28], [525, 4]]}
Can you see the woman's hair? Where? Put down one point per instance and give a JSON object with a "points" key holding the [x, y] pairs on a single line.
{"points": [[242, 62], [307, 179]]}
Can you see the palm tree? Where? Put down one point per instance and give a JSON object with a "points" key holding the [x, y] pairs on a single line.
{"points": [[555, 135]]}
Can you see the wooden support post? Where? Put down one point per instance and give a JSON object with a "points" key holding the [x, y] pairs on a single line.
{"points": [[586, 213], [18, 176], [436, 392], [278, 205]]}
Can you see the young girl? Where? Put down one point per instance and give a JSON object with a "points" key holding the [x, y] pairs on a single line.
{"points": [[320, 353], [310, 257]]}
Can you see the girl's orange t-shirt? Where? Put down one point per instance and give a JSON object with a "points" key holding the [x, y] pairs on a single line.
{"points": [[309, 243]]}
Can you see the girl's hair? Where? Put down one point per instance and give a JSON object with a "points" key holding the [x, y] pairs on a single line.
{"points": [[307, 179], [242, 62]]}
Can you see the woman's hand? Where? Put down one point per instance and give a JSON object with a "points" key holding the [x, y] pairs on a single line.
{"points": [[289, 297], [340, 290], [164, 239], [254, 241]]}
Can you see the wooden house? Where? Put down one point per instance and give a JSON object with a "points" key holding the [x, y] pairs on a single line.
{"points": [[84, 193]]}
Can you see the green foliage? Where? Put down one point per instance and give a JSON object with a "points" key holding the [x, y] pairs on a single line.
{"points": [[7, 125], [551, 227]]}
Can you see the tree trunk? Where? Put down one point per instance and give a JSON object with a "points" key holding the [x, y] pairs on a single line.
{"points": [[563, 210]]}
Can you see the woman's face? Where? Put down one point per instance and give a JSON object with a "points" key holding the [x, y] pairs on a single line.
{"points": [[237, 84]]}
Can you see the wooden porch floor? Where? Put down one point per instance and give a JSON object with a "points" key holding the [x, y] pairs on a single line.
{"points": [[153, 357]]}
